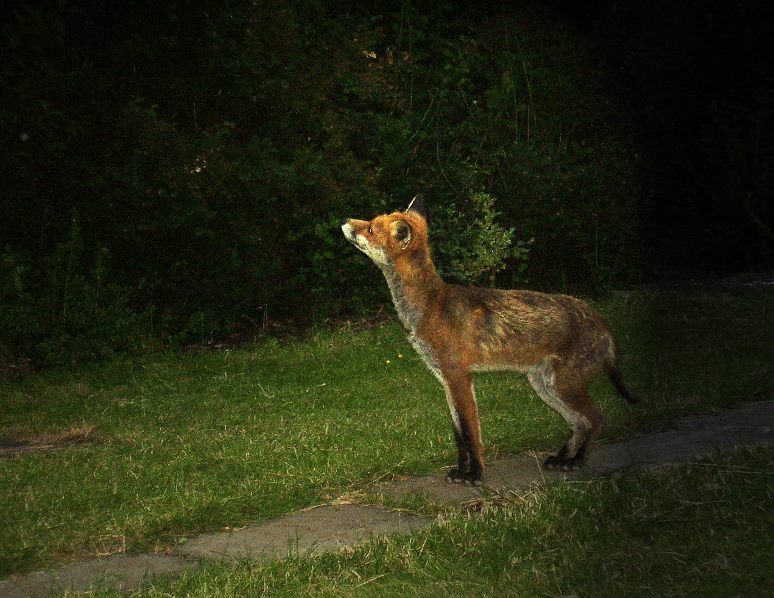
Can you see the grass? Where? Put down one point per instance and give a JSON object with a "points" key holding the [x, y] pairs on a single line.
{"points": [[180, 444], [681, 531]]}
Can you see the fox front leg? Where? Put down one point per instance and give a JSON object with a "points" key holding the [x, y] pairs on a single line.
{"points": [[467, 430], [464, 413]]}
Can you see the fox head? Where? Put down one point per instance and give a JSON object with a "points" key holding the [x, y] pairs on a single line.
{"points": [[390, 237]]}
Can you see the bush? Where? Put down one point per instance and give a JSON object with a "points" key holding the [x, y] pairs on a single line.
{"points": [[61, 313], [210, 156], [481, 248]]}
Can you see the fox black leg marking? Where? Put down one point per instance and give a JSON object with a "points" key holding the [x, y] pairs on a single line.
{"points": [[457, 475], [555, 461], [562, 462], [469, 468]]}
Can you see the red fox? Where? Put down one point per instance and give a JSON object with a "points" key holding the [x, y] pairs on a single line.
{"points": [[558, 341]]}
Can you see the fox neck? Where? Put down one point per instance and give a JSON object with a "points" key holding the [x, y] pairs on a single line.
{"points": [[411, 278]]}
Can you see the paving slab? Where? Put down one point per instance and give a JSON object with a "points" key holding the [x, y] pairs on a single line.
{"points": [[520, 472], [322, 529], [516, 472], [670, 448], [696, 436], [120, 572], [433, 488], [751, 416]]}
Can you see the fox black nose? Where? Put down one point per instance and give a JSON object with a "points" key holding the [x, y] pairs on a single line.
{"points": [[344, 221]]}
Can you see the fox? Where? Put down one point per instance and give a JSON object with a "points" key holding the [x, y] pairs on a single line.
{"points": [[558, 341]]}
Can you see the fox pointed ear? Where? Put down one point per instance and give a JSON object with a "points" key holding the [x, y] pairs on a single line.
{"points": [[418, 205], [402, 233]]}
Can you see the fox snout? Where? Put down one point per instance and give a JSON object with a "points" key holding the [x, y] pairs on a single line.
{"points": [[355, 231], [350, 233], [348, 230]]}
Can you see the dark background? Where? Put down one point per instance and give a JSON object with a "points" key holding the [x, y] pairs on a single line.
{"points": [[699, 77], [174, 172]]}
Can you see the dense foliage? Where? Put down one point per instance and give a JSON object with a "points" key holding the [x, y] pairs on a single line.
{"points": [[178, 170]]}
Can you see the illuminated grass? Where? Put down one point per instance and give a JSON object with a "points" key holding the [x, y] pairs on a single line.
{"points": [[181, 444]]}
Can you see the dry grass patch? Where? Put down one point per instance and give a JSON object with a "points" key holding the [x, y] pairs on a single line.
{"points": [[11, 446]]}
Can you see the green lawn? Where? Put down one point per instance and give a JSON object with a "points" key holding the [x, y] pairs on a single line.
{"points": [[194, 442]]}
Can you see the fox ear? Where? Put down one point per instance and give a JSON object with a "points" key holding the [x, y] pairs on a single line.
{"points": [[418, 205], [402, 233]]}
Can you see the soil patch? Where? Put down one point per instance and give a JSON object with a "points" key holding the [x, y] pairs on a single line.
{"points": [[12, 447]]}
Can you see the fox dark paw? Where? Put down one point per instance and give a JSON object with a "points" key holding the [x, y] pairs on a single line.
{"points": [[455, 476], [560, 463]]}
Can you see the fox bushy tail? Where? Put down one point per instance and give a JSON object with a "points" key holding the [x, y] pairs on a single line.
{"points": [[615, 377]]}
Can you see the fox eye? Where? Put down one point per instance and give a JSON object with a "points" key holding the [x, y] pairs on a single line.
{"points": [[370, 230]]}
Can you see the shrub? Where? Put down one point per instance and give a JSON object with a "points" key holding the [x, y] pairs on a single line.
{"points": [[59, 311], [481, 248]]}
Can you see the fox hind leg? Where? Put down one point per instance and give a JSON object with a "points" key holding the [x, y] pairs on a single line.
{"points": [[585, 425], [570, 399]]}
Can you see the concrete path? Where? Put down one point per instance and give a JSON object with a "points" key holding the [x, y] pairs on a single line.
{"points": [[122, 572], [324, 528], [335, 526]]}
